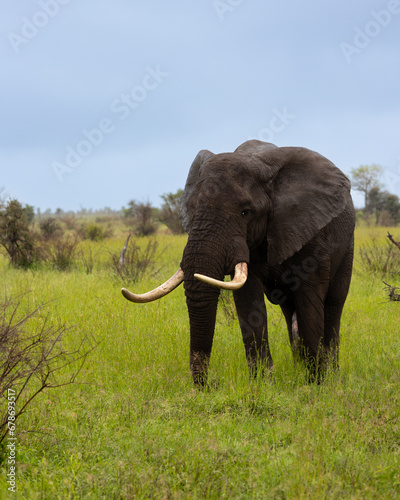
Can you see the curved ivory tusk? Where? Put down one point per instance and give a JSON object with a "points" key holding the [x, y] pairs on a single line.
{"points": [[158, 292], [238, 281]]}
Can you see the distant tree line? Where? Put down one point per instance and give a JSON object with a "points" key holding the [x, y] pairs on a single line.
{"points": [[29, 240], [25, 245]]}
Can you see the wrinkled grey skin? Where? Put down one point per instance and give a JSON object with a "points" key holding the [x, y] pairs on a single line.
{"points": [[286, 212]]}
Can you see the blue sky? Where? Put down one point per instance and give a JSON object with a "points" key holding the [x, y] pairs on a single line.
{"points": [[106, 101]]}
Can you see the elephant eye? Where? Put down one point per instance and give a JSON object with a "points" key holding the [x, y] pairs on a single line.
{"points": [[245, 212]]}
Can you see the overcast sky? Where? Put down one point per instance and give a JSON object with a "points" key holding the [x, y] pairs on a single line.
{"points": [[106, 101]]}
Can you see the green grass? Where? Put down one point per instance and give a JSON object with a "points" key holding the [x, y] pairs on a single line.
{"points": [[133, 427]]}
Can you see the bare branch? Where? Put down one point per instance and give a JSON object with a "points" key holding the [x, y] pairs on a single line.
{"points": [[393, 240], [33, 358], [123, 252], [393, 296]]}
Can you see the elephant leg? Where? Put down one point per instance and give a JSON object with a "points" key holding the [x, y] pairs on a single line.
{"points": [[310, 319], [334, 302], [252, 313], [292, 323]]}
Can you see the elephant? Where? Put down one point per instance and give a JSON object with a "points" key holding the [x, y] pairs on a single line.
{"points": [[280, 221]]}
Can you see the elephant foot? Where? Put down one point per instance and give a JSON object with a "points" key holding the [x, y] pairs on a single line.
{"points": [[260, 367], [316, 361], [318, 365], [199, 362]]}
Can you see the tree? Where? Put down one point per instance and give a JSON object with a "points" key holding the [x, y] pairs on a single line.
{"points": [[15, 233], [392, 205], [141, 215], [29, 212], [169, 213], [364, 179], [385, 205]]}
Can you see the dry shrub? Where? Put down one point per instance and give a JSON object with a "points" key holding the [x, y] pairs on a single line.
{"points": [[380, 259], [133, 263], [140, 216], [33, 358], [95, 232], [50, 228], [70, 221], [61, 253]]}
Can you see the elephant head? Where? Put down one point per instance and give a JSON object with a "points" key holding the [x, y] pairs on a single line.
{"points": [[247, 214]]}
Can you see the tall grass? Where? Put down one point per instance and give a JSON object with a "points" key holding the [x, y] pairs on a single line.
{"points": [[135, 428]]}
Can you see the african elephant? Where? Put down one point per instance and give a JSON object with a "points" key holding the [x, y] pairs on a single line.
{"points": [[280, 221]]}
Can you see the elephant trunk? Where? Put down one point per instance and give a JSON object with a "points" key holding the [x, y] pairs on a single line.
{"points": [[202, 315], [212, 257], [202, 302]]}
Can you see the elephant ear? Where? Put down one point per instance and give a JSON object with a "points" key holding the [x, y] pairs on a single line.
{"points": [[191, 182], [308, 192]]}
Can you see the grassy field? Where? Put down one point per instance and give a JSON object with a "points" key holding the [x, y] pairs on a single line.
{"points": [[133, 426]]}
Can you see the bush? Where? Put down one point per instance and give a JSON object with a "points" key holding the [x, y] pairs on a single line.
{"points": [[32, 359], [61, 252], [70, 221], [141, 217], [133, 263], [380, 259], [87, 259], [50, 228], [16, 236], [95, 232]]}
